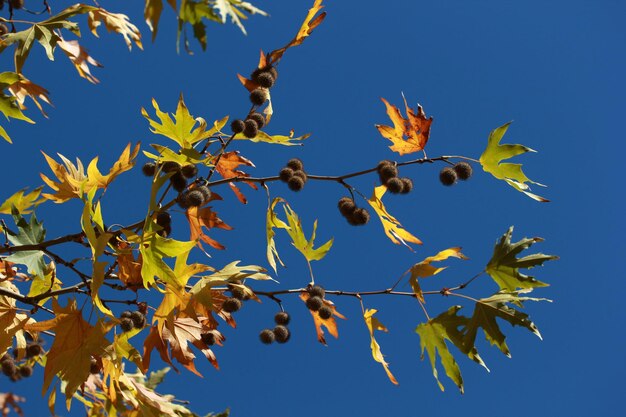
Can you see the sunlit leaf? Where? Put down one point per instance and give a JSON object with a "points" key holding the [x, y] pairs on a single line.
{"points": [[205, 217], [80, 58], [22, 201], [372, 324], [330, 323], [393, 229], [415, 127], [29, 233], [299, 240], [424, 268], [272, 221]]}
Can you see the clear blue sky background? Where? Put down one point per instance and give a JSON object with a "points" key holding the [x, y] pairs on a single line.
{"points": [[555, 68]]}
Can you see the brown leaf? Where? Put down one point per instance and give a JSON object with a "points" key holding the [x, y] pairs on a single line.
{"points": [[330, 324], [416, 127], [129, 269], [207, 218]]}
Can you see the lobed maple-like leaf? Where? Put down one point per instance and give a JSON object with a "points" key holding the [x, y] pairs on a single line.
{"points": [[491, 161], [152, 13], [22, 201], [227, 168], [330, 323], [416, 128], [153, 249], [424, 269], [29, 232], [9, 105], [114, 22], [23, 88], [504, 266], [299, 240], [12, 322], [372, 324], [80, 58], [42, 284], [393, 229], [204, 217]]}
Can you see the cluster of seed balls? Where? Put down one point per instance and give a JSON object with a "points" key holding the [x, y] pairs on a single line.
{"points": [[16, 372], [280, 333], [15, 4], [265, 79], [293, 174], [315, 302], [356, 216], [460, 171], [189, 197], [236, 299], [130, 320], [388, 173]]}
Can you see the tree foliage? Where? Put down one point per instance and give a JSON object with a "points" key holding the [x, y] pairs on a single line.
{"points": [[94, 345]]}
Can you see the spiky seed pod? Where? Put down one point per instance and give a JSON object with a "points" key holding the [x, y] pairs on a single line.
{"points": [[314, 303], [447, 176], [126, 314], [194, 198], [360, 216], [265, 79], [148, 169], [231, 304], [295, 183], [346, 206], [394, 185], [206, 193], [301, 174], [178, 181], [94, 367], [16, 4], [208, 338], [139, 319], [386, 172], [325, 312], [281, 333], [171, 166], [282, 318], [163, 219], [182, 201], [258, 118], [26, 371], [9, 368], [407, 185], [285, 174], [258, 96], [383, 163], [251, 129], [267, 336], [463, 170], [237, 126], [189, 171], [272, 71], [16, 376], [317, 291], [33, 350], [295, 164], [126, 324], [238, 293]]}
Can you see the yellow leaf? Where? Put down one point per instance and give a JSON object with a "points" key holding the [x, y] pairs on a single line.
{"points": [[416, 127], [79, 58], [393, 229], [373, 324], [22, 202], [115, 22], [424, 268]]}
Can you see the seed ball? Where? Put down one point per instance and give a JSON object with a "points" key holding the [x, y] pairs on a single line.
{"points": [[265, 79], [26, 371], [346, 206], [238, 293], [447, 176], [271, 70], [195, 198], [285, 174], [6, 358], [314, 303], [189, 171], [258, 118], [301, 174], [94, 367], [386, 172], [295, 164], [16, 4], [9, 368], [126, 314], [251, 129], [231, 304], [317, 291], [126, 324], [295, 183], [325, 312], [267, 336], [360, 216], [163, 219], [407, 185], [463, 170], [33, 350], [171, 166], [282, 318], [394, 185], [258, 96], [3, 28], [167, 230], [237, 126], [383, 163], [206, 193], [208, 338], [15, 377], [178, 181], [148, 169], [182, 201], [139, 319], [281, 333]]}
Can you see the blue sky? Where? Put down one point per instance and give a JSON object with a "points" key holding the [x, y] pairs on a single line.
{"points": [[551, 67]]}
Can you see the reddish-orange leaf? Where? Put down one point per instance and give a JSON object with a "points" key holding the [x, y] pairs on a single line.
{"points": [[227, 168], [330, 324], [207, 218], [129, 269], [416, 128]]}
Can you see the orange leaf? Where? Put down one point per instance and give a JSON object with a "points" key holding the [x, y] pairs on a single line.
{"points": [[129, 269], [204, 217], [227, 168], [330, 324], [416, 128]]}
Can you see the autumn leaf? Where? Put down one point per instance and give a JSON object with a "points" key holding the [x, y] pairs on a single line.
{"points": [[153, 249], [504, 267], [114, 22], [80, 58], [286, 140], [227, 168], [124, 163], [233, 9], [23, 88], [273, 221], [29, 233], [8, 402], [495, 153], [487, 310], [46, 283], [128, 268], [152, 14], [11, 322], [393, 229], [200, 218], [372, 324], [330, 323], [416, 128], [22, 201], [424, 268], [299, 240], [75, 343]]}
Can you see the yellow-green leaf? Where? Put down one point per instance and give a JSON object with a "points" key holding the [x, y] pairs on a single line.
{"points": [[424, 268], [273, 221], [304, 245], [23, 202], [393, 229]]}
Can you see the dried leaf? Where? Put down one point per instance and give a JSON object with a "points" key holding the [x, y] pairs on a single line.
{"points": [[227, 168], [372, 324], [424, 268], [80, 58], [416, 128], [114, 22], [204, 218], [393, 229], [330, 324]]}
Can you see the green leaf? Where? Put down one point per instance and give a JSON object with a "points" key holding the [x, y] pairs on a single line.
{"points": [[306, 247], [495, 153], [29, 233], [193, 12], [43, 284], [5, 135], [488, 309], [504, 266], [22, 202], [156, 377]]}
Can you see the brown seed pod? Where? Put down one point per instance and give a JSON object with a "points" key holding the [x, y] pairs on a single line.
{"points": [[259, 96], [448, 176]]}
